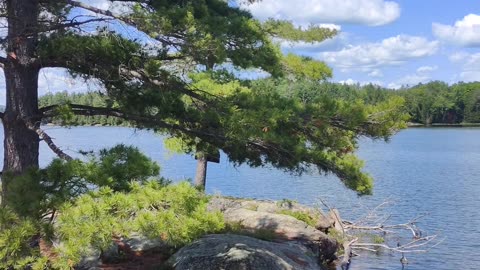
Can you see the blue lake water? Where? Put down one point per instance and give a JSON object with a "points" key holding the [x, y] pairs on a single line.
{"points": [[421, 171]]}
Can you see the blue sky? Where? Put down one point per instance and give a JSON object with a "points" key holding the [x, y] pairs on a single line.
{"points": [[391, 43]]}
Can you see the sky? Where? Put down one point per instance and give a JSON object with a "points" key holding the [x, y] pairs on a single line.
{"points": [[389, 43]]}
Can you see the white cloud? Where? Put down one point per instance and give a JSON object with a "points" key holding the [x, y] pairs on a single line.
{"points": [[115, 7], [351, 81], [470, 76], [312, 48], [302, 47], [304, 12], [465, 32], [376, 73], [422, 75], [458, 56], [410, 80], [391, 51], [426, 69], [103, 4], [52, 80], [471, 69]]}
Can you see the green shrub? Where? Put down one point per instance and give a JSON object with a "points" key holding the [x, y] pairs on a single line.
{"points": [[16, 238], [305, 217], [176, 214], [112, 194], [61, 181], [120, 165]]}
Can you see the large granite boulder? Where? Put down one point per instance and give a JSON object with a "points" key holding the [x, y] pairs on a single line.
{"points": [[222, 204], [284, 228], [236, 252], [272, 219]]}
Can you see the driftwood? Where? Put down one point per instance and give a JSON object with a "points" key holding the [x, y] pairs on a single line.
{"points": [[348, 254], [378, 225]]}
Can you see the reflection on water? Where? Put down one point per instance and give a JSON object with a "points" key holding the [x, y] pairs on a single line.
{"points": [[433, 171]]}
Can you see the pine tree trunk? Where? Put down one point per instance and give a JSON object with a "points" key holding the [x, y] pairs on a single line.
{"points": [[21, 75], [201, 173]]}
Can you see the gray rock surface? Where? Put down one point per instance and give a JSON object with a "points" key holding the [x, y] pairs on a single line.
{"points": [[266, 217], [236, 252], [284, 228], [323, 222]]}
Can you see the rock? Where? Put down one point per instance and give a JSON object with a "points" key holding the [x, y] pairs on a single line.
{"points": [[322, 222], [89, 262], [284, 228], [235, 252], [134, 246], [141, 244], [264, 219]]}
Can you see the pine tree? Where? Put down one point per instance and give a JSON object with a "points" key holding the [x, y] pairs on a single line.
{"points": [[144, 82]]}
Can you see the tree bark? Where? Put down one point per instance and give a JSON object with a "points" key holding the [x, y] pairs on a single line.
{"points": [[201, 172], [21, 75]]}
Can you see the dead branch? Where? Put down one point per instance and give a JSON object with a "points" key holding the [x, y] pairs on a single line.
{"points": [[48, 140], [348, 254], [416, 246], [377, 224]]}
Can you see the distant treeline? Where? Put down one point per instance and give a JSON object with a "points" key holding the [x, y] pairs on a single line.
{"points": [[432, 103], [90, 98], [439, 103]]}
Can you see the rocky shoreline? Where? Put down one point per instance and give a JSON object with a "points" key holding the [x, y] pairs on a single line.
{"points": [[272, 235]]}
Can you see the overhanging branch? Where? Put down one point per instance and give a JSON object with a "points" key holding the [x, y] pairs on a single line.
{"points": [[261, 146], [50, 111], [48, 140], [215, 137]]}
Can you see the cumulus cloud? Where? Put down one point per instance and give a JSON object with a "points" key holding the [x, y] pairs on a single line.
{"points": [[410, 80], [304, 12], [465, 32], [426, 69], [422, 75], [391, 51], [471, 69], [114, 7], [351, 81], [376, 73], [52, 80], [458, 56], [312, 48]]}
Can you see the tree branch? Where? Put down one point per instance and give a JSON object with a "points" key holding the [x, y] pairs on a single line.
{"points": [[72, 23], [48, 140], [263, 147], [50, 111], [3, 61], [103, 12], [141, 75]]}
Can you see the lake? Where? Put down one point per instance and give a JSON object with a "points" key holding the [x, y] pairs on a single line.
{"points": [[433, 171]]}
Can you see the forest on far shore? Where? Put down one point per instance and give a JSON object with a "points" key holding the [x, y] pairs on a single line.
{"points": [[431, 103]]}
